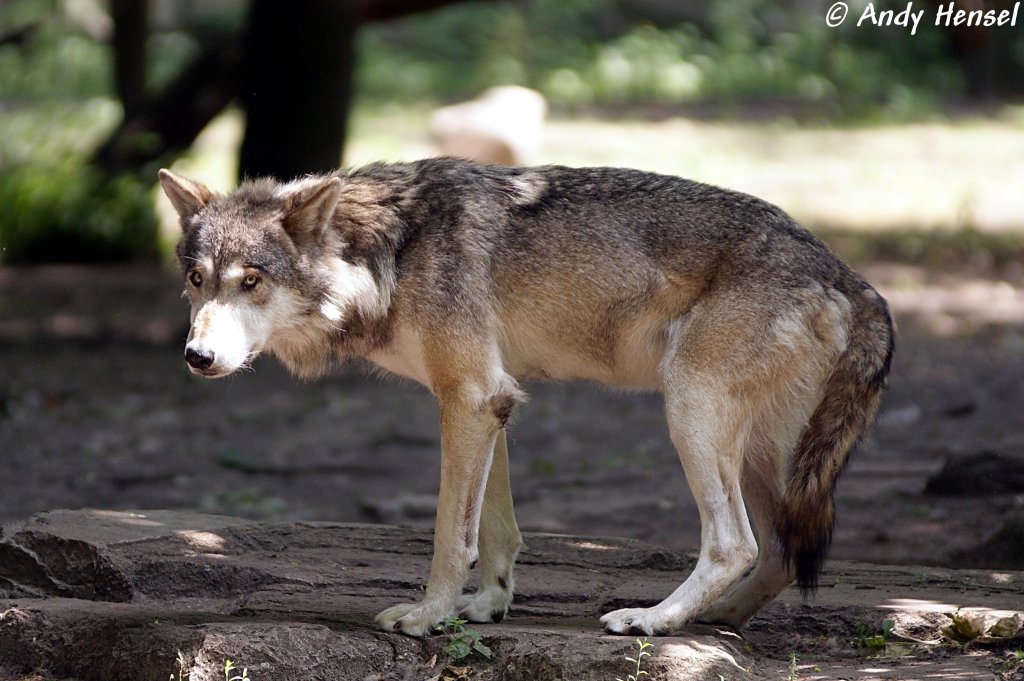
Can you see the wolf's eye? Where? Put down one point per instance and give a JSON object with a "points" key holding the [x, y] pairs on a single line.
{"points": [[195, 277], [250, 281]]}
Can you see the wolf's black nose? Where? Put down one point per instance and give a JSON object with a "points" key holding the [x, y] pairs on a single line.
{"points": [[198, 359]]}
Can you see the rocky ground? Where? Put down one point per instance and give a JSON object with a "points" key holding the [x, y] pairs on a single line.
{"points": [[96, 410], [141, 595]]}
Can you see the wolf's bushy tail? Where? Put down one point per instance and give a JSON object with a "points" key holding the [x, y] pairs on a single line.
{"points": [[843, 417]]}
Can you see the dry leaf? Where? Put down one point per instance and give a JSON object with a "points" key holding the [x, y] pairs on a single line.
{"points": [[975, 627], [453, 673], [965, 626], [1006, 627]]}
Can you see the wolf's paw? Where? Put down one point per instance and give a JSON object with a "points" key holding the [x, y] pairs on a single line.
{"points": [[487, 605], [411, 619], [636, 622]]}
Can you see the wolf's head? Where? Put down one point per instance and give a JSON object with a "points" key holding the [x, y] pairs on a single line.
{"points": [[264, 271]]}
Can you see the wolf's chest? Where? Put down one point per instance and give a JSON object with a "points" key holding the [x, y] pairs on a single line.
{"points": [[403, 356]]}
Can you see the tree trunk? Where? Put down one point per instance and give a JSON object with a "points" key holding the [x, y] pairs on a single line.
{"points": [[131, 28], [296, 86], [320, 35], [166, 125]]}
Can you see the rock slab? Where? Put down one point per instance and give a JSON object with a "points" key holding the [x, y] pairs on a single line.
{"points": [[113, 595]]}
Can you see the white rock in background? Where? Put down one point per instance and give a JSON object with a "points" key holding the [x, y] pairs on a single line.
{"points": [[504, 125]]}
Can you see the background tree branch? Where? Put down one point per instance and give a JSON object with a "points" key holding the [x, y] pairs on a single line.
{"points": [[306, 54]]}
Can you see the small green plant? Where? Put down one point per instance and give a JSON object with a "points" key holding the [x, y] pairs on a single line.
{"points": [[794, 673], [462, 641], [638, 672], [1014, 660], [181, 667], [1011, 666], [229, 667], [873, 640]]}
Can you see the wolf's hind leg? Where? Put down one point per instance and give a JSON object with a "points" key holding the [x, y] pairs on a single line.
{"points": [[499, 543], [741, 380], [771, 574], [708, 429], [794, 392]]}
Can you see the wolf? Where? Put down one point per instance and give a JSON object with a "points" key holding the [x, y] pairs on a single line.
{"points": [[771, 355]]}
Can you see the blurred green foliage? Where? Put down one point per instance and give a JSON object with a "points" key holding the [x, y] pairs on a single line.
{"points": [[73, 213], [57, 101], [55, 60], [584, 52], [55, 108]]}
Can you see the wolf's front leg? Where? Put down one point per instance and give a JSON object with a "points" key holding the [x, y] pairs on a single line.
{"points": [[468, 430], [499, 543]]}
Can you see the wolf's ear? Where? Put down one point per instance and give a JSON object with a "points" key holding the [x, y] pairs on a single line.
{"points": [[187, 197], [309, 210]]}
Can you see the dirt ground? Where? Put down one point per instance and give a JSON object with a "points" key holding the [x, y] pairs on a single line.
{"points": [[97, 410]]}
